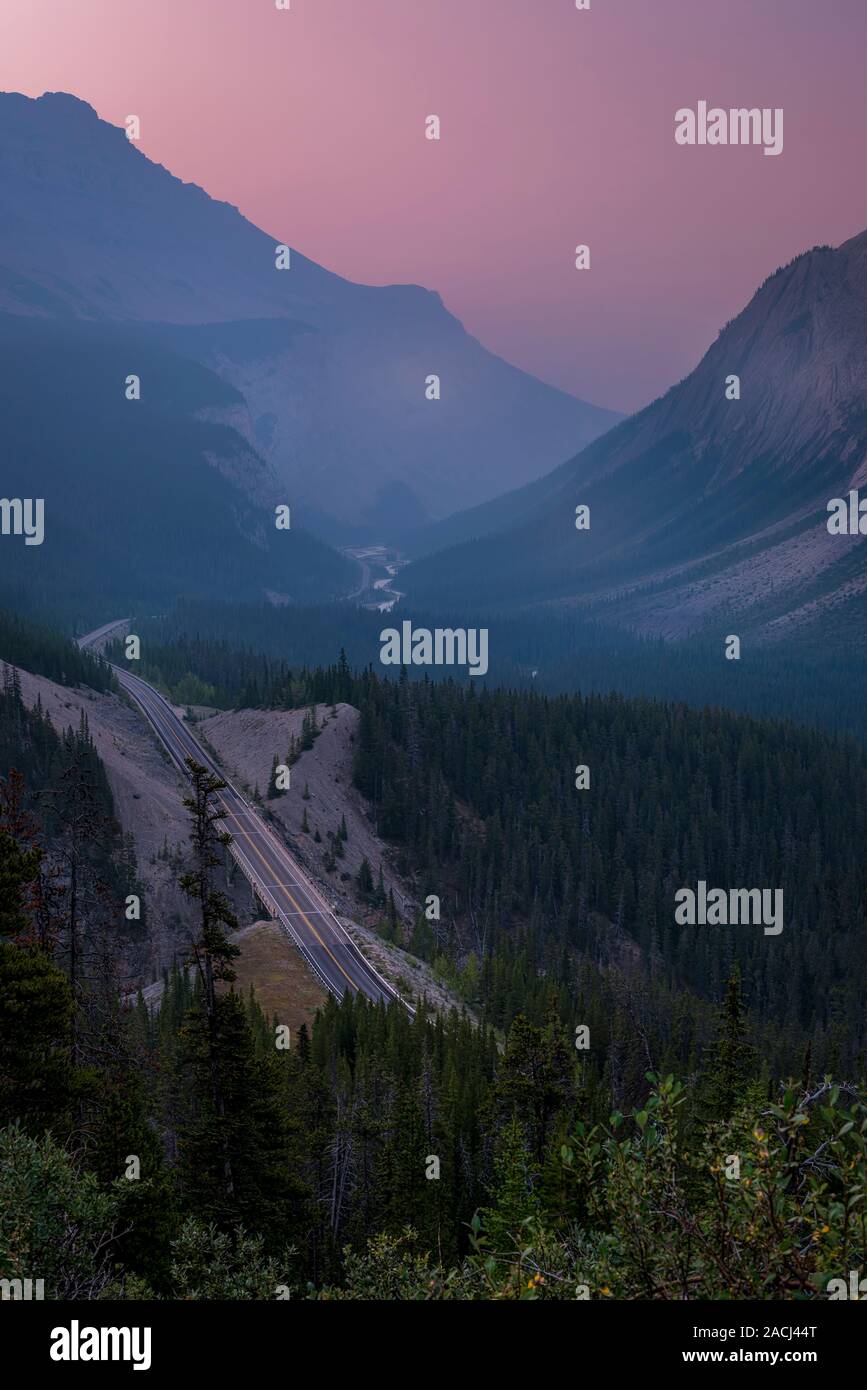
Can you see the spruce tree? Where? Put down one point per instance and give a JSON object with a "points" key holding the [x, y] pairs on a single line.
{"points": [[273, 790], [365, 879], [512, 1196], [212, 951], [730, 1060], [37, 1078]]}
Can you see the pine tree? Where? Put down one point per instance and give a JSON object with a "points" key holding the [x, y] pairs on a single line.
{"points": [[511, 1190], [212, 950], [37, 1078], [249, 1136], [365, 879], [537, 1079], [273, 790], [729, 1062]]}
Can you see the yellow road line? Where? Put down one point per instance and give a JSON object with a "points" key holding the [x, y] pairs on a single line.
{"points": [[303, 914]]}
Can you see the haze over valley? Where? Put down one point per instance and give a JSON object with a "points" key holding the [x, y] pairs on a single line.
{"points": [[433, 747]]}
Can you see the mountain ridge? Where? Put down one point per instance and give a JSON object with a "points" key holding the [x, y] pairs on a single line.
{"points": [[704, 509], [99, 230]]}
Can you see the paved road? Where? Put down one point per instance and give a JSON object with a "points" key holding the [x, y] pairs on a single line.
{"points": [[280, 882]]}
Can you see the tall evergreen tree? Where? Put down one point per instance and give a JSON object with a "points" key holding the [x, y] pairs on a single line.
{"points": [[729, 1062], [212, 951]]}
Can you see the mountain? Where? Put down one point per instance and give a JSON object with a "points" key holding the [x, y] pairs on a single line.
{"points": [[330, 374], [143, 500], [704, 510]]}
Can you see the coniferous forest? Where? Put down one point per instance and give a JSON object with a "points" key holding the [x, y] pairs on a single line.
{"points": [[615, 1106], [433, 735]]}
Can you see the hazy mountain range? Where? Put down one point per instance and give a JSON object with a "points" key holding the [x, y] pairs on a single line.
{"points": [[144, 500], [328, 376], [262, 386], [703, 509]]}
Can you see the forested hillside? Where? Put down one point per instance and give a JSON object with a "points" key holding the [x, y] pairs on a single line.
{"points": [[54, 792], [477, 793], [567, 1139], [243, 653], [49, 653], [390, 1158], [144, 498]]}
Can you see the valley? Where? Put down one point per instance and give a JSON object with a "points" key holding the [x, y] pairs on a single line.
{"points": [[446, 882], [380, 567]]}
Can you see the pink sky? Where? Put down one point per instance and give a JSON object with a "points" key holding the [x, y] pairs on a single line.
{"points": [[557, 128]]}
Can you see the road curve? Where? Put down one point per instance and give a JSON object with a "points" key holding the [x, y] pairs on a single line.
{"points": [[278, 879]]}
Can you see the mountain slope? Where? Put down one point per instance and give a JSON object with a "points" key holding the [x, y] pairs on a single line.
{"points": [[705, 509], [334, 391], [144, 499]]}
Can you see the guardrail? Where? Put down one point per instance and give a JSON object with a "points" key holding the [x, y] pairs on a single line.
{"points": [[277, 914]]}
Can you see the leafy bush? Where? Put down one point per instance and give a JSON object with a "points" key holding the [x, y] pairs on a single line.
{"points": [[56, 1224]]}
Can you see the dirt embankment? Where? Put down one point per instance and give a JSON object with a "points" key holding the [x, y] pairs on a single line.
{"points": [[148, 795], [148, 798], [246, 741]]}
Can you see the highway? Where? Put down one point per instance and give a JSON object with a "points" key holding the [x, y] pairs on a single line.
{"points": [[278, 879]]}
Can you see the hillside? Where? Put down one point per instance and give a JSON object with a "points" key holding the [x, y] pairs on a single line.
{"points": [[327, 377], [147, 799], [704, 510], [246, 742], [143, 499], [470, 794], [557, 905], [536, 872], [148, 804]]}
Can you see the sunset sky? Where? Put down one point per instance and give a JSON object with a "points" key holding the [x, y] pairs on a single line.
{"points": [[557, 128]]}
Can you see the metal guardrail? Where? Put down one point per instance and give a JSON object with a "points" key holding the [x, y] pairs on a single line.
{"points": [[277, 913]]}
